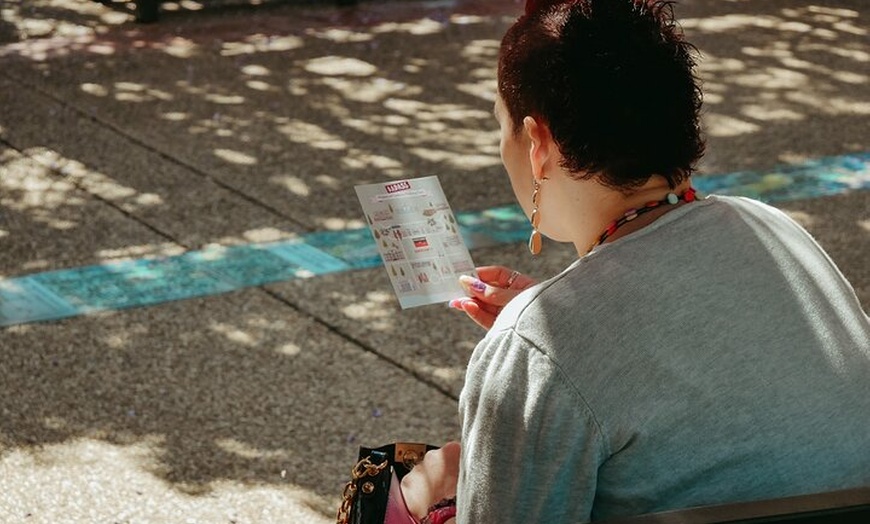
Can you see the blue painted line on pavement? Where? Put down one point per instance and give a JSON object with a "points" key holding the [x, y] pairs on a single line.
{"points": [[66, 293]]}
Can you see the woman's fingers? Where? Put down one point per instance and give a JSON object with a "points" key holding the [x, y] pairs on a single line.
{"points": [[504, 277], [482, 314], [493, 288], [487, 293]]}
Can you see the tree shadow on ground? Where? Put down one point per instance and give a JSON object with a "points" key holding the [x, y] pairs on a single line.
{"points": [[229, 387]]}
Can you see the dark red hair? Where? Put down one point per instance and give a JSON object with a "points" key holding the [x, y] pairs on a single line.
{"points": [[538, 5], [614, 81]]}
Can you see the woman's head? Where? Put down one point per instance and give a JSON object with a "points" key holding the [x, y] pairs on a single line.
{"points": [[613, 81]]}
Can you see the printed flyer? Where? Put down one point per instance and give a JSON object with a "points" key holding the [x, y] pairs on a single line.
{"points": [[418, 239]]}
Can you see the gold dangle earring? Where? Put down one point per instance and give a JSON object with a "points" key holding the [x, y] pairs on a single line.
{"points": [[535, 219]]}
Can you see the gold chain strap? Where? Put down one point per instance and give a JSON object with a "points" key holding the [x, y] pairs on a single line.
{"points": [[363, 468]]}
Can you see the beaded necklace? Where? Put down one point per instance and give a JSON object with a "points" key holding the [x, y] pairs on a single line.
{"points": [[673, 199]]}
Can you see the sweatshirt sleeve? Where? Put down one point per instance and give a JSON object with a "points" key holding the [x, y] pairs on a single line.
{"points": [[531, 446]]}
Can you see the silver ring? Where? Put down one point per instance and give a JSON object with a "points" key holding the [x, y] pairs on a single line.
{"points": [[512, 278]]}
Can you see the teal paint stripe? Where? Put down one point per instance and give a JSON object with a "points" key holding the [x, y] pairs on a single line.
{"points": [[66, 293], [816, 178], [70, 292]]}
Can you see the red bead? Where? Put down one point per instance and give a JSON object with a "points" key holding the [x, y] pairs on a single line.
{"points": [[690, 195]]}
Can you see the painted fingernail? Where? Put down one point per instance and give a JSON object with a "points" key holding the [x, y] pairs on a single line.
{"points": [[456, 303], [477, 285]]}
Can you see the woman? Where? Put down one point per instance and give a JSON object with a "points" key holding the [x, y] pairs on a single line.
{"points": [[698, 351]]}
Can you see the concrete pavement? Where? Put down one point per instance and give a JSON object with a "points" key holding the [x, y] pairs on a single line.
{"points": [[229, 124]]}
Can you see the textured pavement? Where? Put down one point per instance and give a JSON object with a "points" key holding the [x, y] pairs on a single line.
{"points": [[226, 124]]}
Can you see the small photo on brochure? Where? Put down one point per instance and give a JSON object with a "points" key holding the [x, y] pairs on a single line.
{"points": [[418, 238]]}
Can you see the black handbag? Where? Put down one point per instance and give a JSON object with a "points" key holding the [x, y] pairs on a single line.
{"points": [[364, 500]]}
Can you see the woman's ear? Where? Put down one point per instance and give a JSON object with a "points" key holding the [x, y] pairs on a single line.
{"points": [[541, 146]]}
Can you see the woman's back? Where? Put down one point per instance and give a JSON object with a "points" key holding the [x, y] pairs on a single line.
{"points": [[716, 355]]}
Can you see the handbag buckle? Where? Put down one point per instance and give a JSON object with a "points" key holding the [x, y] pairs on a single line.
{"points": [[409, 453]]}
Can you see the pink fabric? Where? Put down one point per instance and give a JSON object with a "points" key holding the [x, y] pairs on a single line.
{"points": [[397, 510], [441, 515]]}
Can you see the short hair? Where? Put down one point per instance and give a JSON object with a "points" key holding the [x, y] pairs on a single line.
{"points": [[614, 81]]}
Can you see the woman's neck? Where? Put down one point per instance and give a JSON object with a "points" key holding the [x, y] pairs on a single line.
{"points": [[614, 204]]}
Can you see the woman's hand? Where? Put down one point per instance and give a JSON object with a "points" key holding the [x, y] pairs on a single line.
{"points": [[432, 480], [493, 288]]}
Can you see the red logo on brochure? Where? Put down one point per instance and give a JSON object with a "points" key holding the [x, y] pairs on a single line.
{"points": [[421, 243], [395, 187]]}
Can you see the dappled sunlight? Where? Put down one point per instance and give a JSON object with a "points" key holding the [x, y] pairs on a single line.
{"points": [[44, 194], [260, 43], [234, 334], [295, 185], [180, 47], [423, 26], [414, 65], [369, 91], [126, 92], [782, 71], [718, 125], [339, 224], [231, 445], [43, 50], [444, 373], [32, 190], [175, 116], [235, 157], [225, 99], [384, 92], [290, 350], [29, 28], [832, 105], [337, 65], [340, 35], [731, 22], [773, 78], [165, 249], [260, 85], [336, 89], [457, 161], [36, 265], [94, 89], [435, 112], [94, 182], [255, 70], [763, 112], [312, 135], [367, 161], [485, 89], [137, 92], [109, 475], [189, 5], [376, 309], [484, 52]]}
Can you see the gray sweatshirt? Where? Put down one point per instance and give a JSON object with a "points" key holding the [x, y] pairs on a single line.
{"points": [[717, 355]]}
